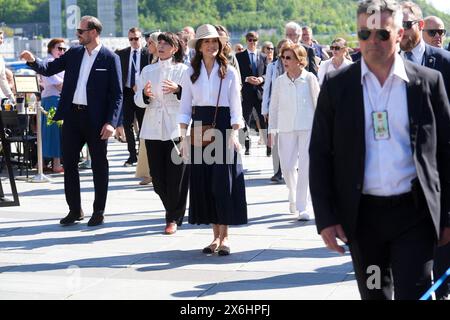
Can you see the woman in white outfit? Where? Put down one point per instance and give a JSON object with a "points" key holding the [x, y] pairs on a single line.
{"points": [[340, 59], [291, 112], [159, 92]]}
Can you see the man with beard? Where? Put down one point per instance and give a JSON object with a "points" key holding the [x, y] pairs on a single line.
{"points": [[90, 105], [416, 50]]}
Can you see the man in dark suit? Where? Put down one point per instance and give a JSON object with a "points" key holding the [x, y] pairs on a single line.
{"points": [[380, 161], [252, 65], [90, 106], [416, 50], [293, 32], [132, 60]]}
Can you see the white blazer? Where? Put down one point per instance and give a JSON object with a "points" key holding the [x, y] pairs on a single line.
{"points": [[293, 103], [160, 118]]}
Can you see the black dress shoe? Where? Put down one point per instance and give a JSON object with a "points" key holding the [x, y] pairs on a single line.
{"points": [[268, 151], [71, 218], [130, 162], [276, 178], [96, 219]]}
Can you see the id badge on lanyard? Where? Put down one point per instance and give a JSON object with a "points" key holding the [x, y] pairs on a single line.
{"points": [[381, 125]]}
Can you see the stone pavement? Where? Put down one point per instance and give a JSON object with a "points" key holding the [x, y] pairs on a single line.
{"points": [[273, 257]]}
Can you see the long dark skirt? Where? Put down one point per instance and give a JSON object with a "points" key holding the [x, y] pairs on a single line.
{"points": [[217, 188]]}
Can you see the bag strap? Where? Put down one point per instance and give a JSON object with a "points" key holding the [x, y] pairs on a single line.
{"points": [[217, 104]]}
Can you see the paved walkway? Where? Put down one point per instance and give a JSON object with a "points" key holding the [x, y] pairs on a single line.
{"points": [[273, 257]]}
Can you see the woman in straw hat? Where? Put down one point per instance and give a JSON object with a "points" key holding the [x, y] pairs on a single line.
{"points": [[217, 187]]}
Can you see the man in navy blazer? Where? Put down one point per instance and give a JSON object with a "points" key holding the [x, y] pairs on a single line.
{"points": [[417, 51], [90, 106]]}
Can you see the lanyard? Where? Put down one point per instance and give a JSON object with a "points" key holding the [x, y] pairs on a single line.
{"points": [[369, 97]]}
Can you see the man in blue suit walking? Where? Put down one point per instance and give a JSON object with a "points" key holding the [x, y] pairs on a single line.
{"points": [[90, 106]]}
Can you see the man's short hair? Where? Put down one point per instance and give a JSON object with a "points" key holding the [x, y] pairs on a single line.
{"points": [[294, 26], [413, 9], [252, 35], [93, 23], [371, 7], [134, 30], [307, 28]]}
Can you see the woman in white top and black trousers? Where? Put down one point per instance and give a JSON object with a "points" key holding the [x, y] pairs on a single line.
{"points": [[159, 92], [217, 187], [291, 113]]}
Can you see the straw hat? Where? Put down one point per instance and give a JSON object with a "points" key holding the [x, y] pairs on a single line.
{"points": [[206, 31]]}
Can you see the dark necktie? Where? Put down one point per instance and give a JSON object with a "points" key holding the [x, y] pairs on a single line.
{"points": [[253, 62], [133, 70]]}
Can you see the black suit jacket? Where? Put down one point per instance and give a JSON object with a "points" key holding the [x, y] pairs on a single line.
{"points": [[438, 59], [337, 149], [124, 56], [104, 88], [251, 96], [312, 66]]}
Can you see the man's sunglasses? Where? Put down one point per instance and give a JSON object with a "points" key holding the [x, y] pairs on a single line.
{"points": [[62, 49], [133, 39], [432, 32], [81, 31], [409, 24], [381, 34], [252, 40], [337, 48]]}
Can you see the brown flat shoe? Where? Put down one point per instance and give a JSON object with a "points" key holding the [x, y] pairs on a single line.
{"points": [[224, 251], [171, 228]]}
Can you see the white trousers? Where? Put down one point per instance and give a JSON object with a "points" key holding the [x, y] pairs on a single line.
{"points": [[293, 148]]}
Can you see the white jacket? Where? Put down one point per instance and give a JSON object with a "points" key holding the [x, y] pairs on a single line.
{"points": [[293, 103], [160, 119]]}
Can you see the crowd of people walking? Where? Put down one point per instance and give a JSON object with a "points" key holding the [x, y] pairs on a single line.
{"points": [[365, 135]]}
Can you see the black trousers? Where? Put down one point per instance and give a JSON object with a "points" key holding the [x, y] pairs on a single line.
{"points": [[441, 264], [397, 239], [76, 131], [130, 111], [170, 179]]}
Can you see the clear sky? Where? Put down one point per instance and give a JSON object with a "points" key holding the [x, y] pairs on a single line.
{"points": [[443, 5]]}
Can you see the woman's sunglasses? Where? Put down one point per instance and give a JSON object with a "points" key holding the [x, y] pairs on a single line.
{"points": [[381, 34], [432, 32], [62, 49], [286, 57], [336, 48]]}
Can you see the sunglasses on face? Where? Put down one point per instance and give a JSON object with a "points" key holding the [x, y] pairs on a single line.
{"points": [[409, 24], [252, 40], [432, 32], [380, 34], [133, 39], [62, 49], [336, 48], [270, 49], [286, 58], [81, 31]]}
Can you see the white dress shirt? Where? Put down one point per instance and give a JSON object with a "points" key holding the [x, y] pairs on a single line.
{"points": [[293, 103], [137, 67], [50, 83], [328, 66], [205, 90], [389, 164], [418, 53], [80, 96], [160, 118]]}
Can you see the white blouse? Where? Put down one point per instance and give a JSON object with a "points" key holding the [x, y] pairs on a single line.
{"points": [[160, 118], [293, 103], [50, 83], [205, 90], [328, 66]]}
